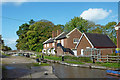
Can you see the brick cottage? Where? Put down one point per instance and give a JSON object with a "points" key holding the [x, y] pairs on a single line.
{"points": [[67, 41], [75, 42]]}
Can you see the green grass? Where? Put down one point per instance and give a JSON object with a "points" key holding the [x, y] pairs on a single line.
{"points": [[81, 59], [74, 62], [110, 65], [60, 58], [42, 64], [53, 58]]}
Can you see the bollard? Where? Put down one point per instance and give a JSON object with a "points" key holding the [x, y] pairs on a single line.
{"points": [[62, 57], [93, 59], [42, 57]]}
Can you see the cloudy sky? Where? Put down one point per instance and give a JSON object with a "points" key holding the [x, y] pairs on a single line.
{"points": [[16, 13]]}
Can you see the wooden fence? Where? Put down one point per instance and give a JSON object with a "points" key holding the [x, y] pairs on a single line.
{"points": [[107, 58]]}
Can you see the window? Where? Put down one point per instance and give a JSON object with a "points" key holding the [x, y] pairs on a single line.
{"points": [[62, 42], [53, 44], [48, 45], [87, 47], [58, 41], [75, 40], [45, 45]]}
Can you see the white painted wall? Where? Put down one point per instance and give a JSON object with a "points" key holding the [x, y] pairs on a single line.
{"points": [[43, 51], [48, 45], [53, 52]]}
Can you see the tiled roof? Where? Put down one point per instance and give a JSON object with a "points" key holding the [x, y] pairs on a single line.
{"points": [[100, 40], [62, 36], [49, 41]]}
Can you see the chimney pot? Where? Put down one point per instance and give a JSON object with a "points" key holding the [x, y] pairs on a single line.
{"points": [[58, 32]]}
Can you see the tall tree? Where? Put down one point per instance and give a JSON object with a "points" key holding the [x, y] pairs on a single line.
{"points": [[79, 23], [31, 36]]}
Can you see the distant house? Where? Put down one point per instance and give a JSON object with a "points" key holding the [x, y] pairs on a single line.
{"points": [[67, 41], [49, 46], [95, 41], [76, 43], [63, 42]]}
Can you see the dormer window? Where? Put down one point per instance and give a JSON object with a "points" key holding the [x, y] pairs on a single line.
{"points": [[75, 40]]}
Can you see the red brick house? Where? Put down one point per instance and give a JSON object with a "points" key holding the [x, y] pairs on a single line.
{"points": [[75, 43], [67, 40], [117, 28], [96, 41]]}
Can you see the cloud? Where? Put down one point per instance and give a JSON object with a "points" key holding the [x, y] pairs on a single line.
{"points": [[95, 14], [11, 42]]}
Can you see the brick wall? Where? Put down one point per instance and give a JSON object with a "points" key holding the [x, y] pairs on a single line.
{"points": [[118, 38], [82, 45], [69, 42], [107, 51]]}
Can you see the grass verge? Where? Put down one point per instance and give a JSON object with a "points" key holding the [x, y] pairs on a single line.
{"points": [[74, 62], [110, 65]]}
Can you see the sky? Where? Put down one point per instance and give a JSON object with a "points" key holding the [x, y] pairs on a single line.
{"points": [[15, 14]]}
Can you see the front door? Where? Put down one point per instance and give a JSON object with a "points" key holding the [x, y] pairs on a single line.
{"points": [[82, 52]]}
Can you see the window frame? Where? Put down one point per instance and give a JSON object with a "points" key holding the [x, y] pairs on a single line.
{"points": [[77, 41]]}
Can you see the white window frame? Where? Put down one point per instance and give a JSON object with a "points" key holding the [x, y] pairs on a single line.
{"points": [[58, 41], [48, 45], [75, 42], [53, 44], [45, 45]]}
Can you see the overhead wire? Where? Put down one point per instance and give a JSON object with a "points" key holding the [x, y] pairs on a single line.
{"points": [[13, 19]]}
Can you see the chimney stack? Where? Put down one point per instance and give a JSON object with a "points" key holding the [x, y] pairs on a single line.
{"points": [[58, 32], [117, 28], [54, 34]]}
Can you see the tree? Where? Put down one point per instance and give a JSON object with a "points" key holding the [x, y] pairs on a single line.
{"points": [[107, 29], [79, 23], [32, 36], [31, 21], [2, 45]]}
